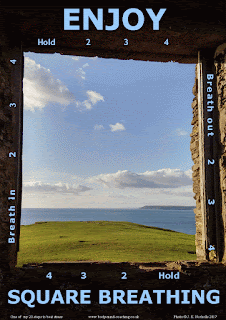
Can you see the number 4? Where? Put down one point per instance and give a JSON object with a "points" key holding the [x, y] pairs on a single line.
{"points": [[49, 275], [166, 42]]}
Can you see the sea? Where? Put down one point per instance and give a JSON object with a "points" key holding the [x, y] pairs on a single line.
{"points": [[176, 220]]}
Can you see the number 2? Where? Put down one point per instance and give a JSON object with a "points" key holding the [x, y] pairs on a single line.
{"points": [[209, 161]]}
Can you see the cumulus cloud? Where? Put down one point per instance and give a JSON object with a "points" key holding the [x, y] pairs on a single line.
{"points": [[60, 187], [117, 127], [41, 87], [164, 178], [181, 132], [98, 127], [170, 177], [93, 98]]}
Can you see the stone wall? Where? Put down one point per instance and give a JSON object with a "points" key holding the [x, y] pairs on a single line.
{"points": [[221, 89], [220, 68], [105, 275], [7, 168], [194, 147]]}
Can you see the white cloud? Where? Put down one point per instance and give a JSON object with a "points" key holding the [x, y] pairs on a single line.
{"points": [[40, 87], [181, 132], [81, 57], [98, 127], [81, 73], [170, 177], [94, 97], [37, 186], [164, 178], [125, 189], [76, 58], [117, 127], [188, 173], [87, 104]]}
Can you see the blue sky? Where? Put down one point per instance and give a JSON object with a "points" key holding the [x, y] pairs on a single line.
{"points": [[106, 133]]}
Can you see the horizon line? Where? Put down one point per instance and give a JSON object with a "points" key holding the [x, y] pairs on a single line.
{"points": [[155, 205]]}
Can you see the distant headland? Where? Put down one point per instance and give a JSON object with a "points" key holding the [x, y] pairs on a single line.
{"points": [[169, 207]]}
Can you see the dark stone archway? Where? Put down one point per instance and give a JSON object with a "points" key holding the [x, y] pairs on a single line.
{"points": [[190, 27]]}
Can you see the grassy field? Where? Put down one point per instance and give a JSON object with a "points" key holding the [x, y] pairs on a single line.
{"points": [[102, 241]]}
